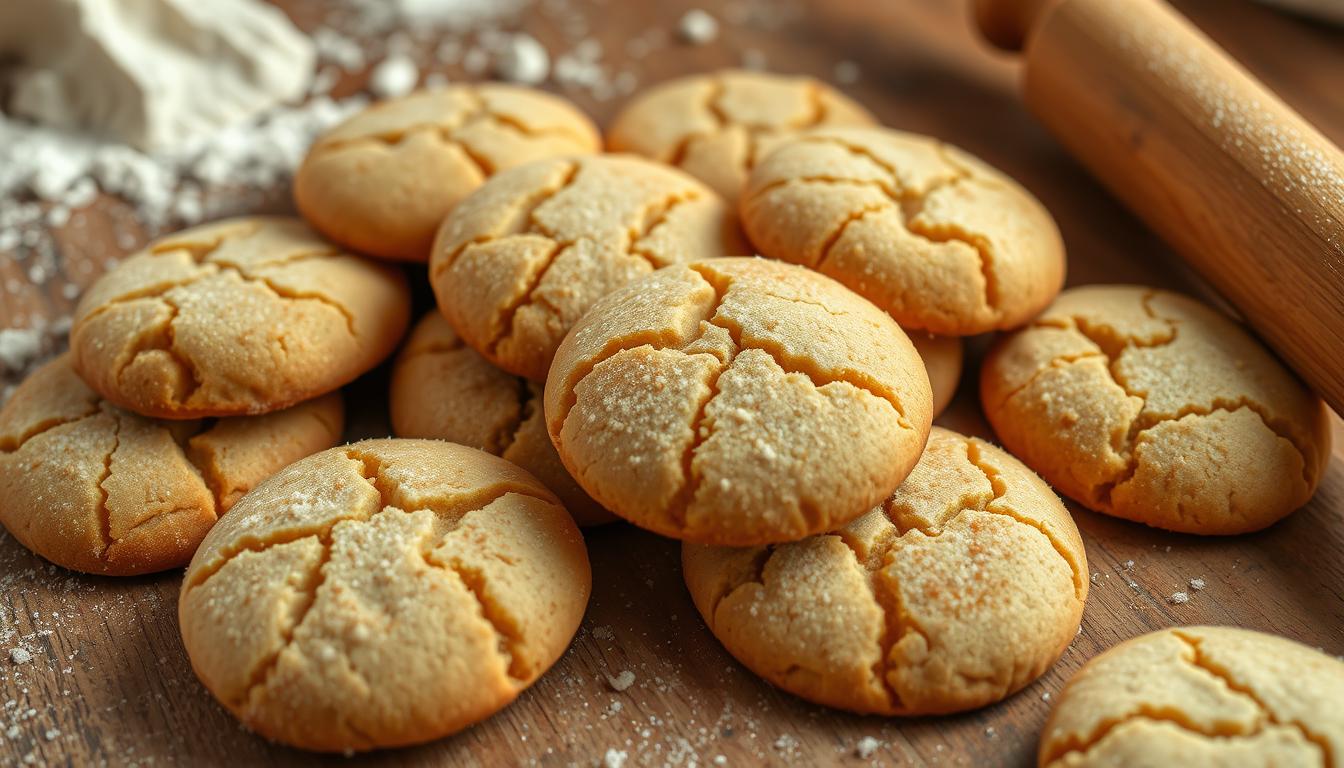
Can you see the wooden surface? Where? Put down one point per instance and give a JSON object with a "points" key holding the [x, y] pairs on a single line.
{"points": [[110, 683]]}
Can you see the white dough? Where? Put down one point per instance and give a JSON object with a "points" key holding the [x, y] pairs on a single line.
{"points": [[152, 73]]}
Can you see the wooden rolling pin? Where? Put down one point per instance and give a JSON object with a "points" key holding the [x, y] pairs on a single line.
{"points": [[1244, 188]]}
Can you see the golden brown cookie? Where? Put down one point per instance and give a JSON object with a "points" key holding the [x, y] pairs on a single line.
{"points": [[960, 589], [925, 231], [382, 181], [716, 126], [1199, 696], [242, 316], [443, 389], [942, 356], [97, 489], [384, 593], [737, 402], [521, 259], [1150, 406]]}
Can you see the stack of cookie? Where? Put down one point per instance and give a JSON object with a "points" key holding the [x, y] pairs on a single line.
{"points": [[605, 345]]}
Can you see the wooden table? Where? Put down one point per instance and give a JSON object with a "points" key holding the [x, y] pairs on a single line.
{"points": [[110, 683]]}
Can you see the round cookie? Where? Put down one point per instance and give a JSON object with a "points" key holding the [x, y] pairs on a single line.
{"points": [[443, 389], [382, 181], [242, 316], [383, 593], [960, 589], [525, 256], [943, 357], [930, 234], [1199, 696], [737, 402], [1150, 406], [716, 126], [97, 489]]}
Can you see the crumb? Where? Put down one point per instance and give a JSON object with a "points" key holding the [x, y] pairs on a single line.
{"points": [[1129, 564], [697, 27], [720, 760], [394, 76], [52, 734], [866, 747], [523, 60], [989, 731], [622, 681], [1045, 696], [615, 758], [1178, 598], [846, 72], [20, 655], [1197, 584]]}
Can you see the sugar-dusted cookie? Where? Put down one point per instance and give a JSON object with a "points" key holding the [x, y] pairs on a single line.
{"points": [[1150, 406], [930, 234], [1200, 696], [382, 181], [95, 488], [242, 316], [736, 402], [521, 259], [960, 589], [943, 357], [443, 389], [384, 593], [716, 126]]}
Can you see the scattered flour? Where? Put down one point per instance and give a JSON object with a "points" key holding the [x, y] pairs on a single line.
{"points": [[523, 60], [20, 655], [394, 76], [867, 747], [1178, 598], [1197, 584], [622, 681], [615, 758], [698, 27]]}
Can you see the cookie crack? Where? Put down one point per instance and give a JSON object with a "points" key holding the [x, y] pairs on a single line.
{"points": [[292, 294], [13, 443], [754, 575], [507, 434], [1054, 364], [1000, 490], [1141, 712], [655, 216], [713, 110], [510, 310], [261, 674], [104, 513], [1201, 660], [833, 239], [897, 623], [506, 629]]}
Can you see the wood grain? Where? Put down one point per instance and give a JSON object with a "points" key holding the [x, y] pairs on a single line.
{"points": [[110, 684]]}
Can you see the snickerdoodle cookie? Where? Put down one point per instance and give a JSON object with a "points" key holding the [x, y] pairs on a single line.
{"points": [[382, 181], [242, 316], [925, 231], [943, 358], [716, 126], [737, 402], [1200, 696], [521, 259], [384, 593], [960, 589], [1150, 406], [443, 389], [95, 488]]}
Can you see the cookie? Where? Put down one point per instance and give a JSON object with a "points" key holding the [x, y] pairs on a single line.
{"points": [[382, 181], [383, 593], [94, 488], [521, 259], [243, 316], [961, 588], [1150, 406], [943, 357], [737, 402], [443, 389], [1199, 696], [935, 237], [716, 126]]}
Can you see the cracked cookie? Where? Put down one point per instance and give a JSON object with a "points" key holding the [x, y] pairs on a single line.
{"points": [[1149, 406], [1199, 696], [521, 259], [384, 593], [382, 181], [932, 235], [242, 316], [97, 489], [737, 402], [443, 389], [957, 591], [716, 126]]}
